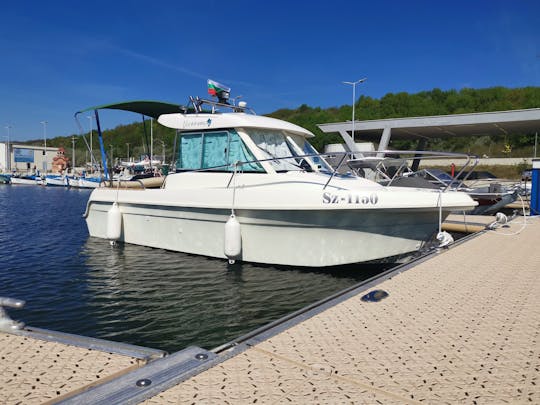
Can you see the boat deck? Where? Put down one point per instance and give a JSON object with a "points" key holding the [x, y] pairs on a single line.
{"points": [[459, 326]]}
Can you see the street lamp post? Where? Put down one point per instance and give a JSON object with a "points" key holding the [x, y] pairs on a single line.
{"points": [[127, 143], [353, 84], [44, 123], [8, 152], [73, 151]]}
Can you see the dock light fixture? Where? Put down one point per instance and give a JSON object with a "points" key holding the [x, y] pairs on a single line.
{"points": [[374, 296], [44, 123], [353, 84]]}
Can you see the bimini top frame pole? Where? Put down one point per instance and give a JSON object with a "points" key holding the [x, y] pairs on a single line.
{"points": [[149, 108], [102, 147]]}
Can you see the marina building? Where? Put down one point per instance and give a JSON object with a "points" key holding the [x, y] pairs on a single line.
{"points": [[26, 158]]}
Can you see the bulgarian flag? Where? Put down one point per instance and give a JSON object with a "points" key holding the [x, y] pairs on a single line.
{"points": [[214, 88]]}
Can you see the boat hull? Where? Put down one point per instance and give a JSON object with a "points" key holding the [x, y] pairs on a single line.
{"points": [[315, 238], [84, 183], [57, 181], [25, 181]]}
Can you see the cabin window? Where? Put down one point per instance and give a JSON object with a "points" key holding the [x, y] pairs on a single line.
{"points": [[190, 151], [274, 145], [216, 151], [308, 149]]}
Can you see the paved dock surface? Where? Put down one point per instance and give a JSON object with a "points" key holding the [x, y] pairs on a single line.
{"points": [[461, 327], [34, 370]]}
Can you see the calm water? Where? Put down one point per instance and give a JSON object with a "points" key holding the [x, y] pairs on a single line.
{"points": [[150, 297]]}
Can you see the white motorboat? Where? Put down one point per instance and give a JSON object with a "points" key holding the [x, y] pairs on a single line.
{"points": [[85, 182], [56, 180], [30, 179], [252, 188]]}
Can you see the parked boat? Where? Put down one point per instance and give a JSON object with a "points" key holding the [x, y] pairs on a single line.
{"points": [[491, 195], [85, 182], [252, 188], [128, 177], [57, 180], [393, 168], [5, 178], [28, 180]]}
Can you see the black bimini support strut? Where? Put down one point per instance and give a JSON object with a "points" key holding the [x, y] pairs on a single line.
{"points": [[102, 147]]}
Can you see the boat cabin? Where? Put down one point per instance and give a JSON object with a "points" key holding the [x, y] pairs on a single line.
{"points": [[226, 142], [211, 140]]}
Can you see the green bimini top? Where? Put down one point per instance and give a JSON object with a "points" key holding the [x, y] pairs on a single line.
{"points": [[149, 108]]}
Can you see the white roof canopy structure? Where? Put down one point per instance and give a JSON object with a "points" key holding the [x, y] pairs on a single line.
{"points": [[475, 124]]}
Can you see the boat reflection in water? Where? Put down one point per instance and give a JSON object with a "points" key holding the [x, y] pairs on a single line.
{"points": [[171, 300]]}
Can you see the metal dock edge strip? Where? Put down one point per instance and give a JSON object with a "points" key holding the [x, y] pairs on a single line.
{"points": [[148, 381], [125, 349]]}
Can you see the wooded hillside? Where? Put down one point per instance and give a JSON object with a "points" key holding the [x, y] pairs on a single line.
{"points": [[434, 102], [392, 105]]}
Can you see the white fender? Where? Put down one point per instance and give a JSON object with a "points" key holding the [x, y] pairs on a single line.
{"points": [[233, 238], [114, 222], [444, 239]]}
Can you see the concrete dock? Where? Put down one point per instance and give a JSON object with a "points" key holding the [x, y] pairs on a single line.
{"points": [[458, 326]]}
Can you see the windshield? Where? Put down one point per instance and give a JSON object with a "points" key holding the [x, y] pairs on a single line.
{"points": [[277, 144], [439, 174], [305, 148], [273, 144]]}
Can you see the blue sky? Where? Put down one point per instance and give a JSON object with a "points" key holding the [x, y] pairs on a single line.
{"points": [[59, 57]]}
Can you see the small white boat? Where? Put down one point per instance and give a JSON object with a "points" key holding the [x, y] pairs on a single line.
{"points": [[85, 182], [56, 180], [5, 178], [28, 180], [252, 188]]}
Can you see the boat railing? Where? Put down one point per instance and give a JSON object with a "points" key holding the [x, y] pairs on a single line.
{"points": [[379, 162], [392, 164], [198, 104]]}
